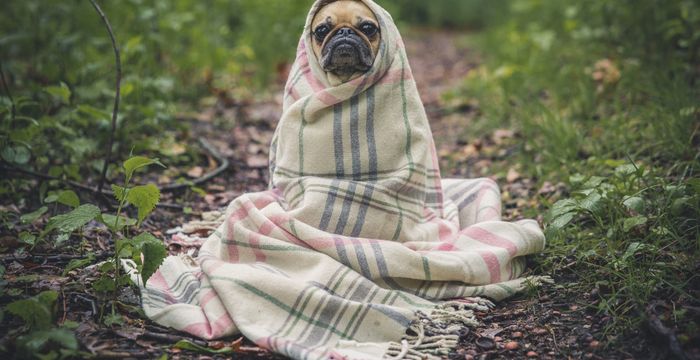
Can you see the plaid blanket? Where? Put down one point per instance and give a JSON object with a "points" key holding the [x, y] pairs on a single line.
{"points": [[358, 239]]}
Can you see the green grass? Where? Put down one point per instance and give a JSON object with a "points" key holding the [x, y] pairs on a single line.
{"points": [[603, 112]]}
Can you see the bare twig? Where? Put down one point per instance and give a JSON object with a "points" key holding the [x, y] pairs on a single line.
{"points": [[170, 338], [115, 110], [13, 111], [47, 257], [10, 168], [223, 165], [659, 328], [109, 354]]}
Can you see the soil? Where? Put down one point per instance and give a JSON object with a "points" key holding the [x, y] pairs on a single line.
{"points": [[552, 322]]}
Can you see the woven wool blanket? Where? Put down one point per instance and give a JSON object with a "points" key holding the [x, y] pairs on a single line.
{"points": [[359, 250]]}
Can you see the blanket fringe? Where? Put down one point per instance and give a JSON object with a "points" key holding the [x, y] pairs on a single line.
{"points": [[435, 335]]}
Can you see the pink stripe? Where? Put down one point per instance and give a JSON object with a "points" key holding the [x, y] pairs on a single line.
{"points": [[489, 185], [157, 280], [241, 213], [445, 231], [445, 246], [207, 297], [395, 76], [254, 240], [325, 97], [209, 330], [486, 237], [492, 264], [304, 62]]}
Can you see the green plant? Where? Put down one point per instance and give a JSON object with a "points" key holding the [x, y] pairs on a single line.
{"points": [[145, 250], [634, 236], [40, 338]]}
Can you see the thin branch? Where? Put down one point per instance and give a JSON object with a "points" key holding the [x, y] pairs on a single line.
{"points": [[13, 110], [11, 168], [223, 165], [115, 110]]}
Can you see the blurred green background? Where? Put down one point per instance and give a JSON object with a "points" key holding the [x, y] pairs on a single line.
{"points": [[602, 94], [57, 60]]}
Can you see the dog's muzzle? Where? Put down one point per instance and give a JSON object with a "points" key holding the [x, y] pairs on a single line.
{"points": [[346, 53]]}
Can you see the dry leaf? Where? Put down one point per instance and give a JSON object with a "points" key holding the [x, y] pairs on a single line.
{"points": [[257, 161], [512, 175], [195, 172], [502, 134]]}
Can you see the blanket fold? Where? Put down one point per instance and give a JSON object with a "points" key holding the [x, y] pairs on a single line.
{"points": [[359, 243]]}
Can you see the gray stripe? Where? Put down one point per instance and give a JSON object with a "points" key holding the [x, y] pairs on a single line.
{"points": [[345, 212], [371, 144], [326, 311], [361, 318], [467, 200], [338, 139], [355, 137], [362, 213], [328, 210], [389, 312], [342, 253], [360, 291], [362, 259]]}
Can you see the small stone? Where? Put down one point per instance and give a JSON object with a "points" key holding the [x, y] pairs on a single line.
{"points": [[594, 344], [468, 357], [498, 338], [531, 354], [573, 307], [516, 335], [512, 345]]}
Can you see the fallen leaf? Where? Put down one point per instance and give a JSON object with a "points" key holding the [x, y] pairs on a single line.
{"points": [[257, 161], [195, 172], [512, 175], [164, 179], [502, 134]]}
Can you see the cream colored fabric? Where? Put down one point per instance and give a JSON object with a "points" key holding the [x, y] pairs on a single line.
{"points": [[358, 238]]}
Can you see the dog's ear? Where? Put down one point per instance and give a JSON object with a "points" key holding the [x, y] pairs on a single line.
{"points": [[323, 3]]}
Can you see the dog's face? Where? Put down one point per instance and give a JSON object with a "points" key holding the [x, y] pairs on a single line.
{"points": [[345, 35]]}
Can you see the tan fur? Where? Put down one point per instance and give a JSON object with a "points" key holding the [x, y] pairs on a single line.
{"points": [[345, 13]]}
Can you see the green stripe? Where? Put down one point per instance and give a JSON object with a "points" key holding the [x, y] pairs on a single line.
{"points": [[294, 248], [426, 268], [405, 113], [301, 137], [510, 291], [279, 304]]}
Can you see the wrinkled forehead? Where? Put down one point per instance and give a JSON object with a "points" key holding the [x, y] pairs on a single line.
{"points": [[344, 12]]}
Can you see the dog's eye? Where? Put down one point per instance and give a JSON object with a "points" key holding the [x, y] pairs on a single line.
{"points": [[369, 29], [321, 32]]}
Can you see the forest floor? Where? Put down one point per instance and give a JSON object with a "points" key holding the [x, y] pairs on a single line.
{"points": [[551, 322]]}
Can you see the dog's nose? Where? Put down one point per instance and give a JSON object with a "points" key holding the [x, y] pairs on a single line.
{"points": [[346, 31]]}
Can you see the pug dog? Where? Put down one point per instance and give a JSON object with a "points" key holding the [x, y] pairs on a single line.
{"points": [[346, 38]]}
